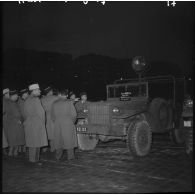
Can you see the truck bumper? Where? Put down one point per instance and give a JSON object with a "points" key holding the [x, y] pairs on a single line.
{"points": [[117, 130]]}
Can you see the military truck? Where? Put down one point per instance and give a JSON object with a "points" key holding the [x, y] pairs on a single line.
{"points": [[131, 113]]}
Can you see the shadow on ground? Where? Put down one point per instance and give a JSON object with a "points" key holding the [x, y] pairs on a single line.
{"points": [[107, 169]]}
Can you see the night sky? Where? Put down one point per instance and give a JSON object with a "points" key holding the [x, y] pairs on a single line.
{"points": [[116, 29]]}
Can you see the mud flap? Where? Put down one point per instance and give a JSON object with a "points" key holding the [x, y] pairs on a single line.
{"points": [[86, 141]]}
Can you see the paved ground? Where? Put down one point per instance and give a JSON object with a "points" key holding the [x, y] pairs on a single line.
{"points": [[107, 169]]}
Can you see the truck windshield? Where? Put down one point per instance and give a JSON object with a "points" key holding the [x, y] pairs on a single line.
{"points": [[132, 90]]}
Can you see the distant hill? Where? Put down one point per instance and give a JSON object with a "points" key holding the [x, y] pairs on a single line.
{"points": [[88, 73]]}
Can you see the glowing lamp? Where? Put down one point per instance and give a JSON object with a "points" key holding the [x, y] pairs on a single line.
{"points": [[138, 64]]}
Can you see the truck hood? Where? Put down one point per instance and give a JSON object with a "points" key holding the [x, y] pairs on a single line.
{"points": [[126, 108]]}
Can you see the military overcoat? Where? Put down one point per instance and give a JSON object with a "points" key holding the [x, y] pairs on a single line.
{"points": [[34, 124], [63, 114], [47, 102], [21, 106], [13, 127]]}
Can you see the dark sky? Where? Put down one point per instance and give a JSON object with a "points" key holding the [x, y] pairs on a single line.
{"points": [[116, 29]]}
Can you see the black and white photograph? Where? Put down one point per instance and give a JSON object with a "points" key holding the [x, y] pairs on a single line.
{"points": [[97, 96]]}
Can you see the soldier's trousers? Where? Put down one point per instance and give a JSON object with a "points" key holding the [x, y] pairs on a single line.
{"points": [[70, 153], [34, 154]]}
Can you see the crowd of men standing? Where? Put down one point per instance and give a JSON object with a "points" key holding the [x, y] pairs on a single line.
{"points": [[31, 123]]}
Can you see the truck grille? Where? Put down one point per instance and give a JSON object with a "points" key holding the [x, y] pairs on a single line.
{"points": [[99, 114]]}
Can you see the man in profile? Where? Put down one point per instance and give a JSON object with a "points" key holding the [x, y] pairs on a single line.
{"points": [[63, 115], [5, 101], [81, 106], [34, 124]]}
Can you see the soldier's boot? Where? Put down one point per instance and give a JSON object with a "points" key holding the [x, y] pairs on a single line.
{"points": [[37, 157], [32, 154], [27, 152], [10, 151], [16, 151], [24, 149], [19, 149], [51, 146], [58, 154], [44, 149], [71, 154]]}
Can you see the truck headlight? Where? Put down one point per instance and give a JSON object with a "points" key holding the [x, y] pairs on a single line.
{"points": [[188, 103], [85, 110], [115, 110], [82, 121]]}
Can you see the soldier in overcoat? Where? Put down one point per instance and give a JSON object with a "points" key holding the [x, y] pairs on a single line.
{"points": [[14, 130], [5, 100], [63, 114], [5, 144], [47, 102], [34, 124], [73, 98], [23, 96]]}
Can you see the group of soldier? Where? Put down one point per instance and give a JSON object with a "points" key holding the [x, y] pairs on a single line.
{"points": [[32, 122]]}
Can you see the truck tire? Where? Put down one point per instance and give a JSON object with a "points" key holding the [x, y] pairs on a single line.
{"points": [[139, 138], [160, 113], [87, 142]]}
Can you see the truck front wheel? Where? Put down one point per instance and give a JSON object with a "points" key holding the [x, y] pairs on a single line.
{"points": [[139, 138]]}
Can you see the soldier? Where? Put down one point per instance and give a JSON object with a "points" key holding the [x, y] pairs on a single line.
{"points": [[5, 144], [5, 100], [72, 97], [47, 102], [23, 96], [14, 129], [63, 114], [81, 106], [34, 124]]}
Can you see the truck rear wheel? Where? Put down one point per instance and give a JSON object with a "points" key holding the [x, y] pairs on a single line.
{"points": [[87, 142], [160, 113], [139, 138]]}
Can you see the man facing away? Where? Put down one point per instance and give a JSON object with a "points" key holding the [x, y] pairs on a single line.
{"points": [[63, 115], [5, 100], [47, 102], [23, 96], [34, 124], [73, 98]]}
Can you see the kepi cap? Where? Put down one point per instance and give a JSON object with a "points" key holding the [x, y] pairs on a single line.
{"points": [[33, 87], [5, 91], [46, 90], [71, 93], [83, 93], [13, 92], [23, 91], [64, 92]]}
